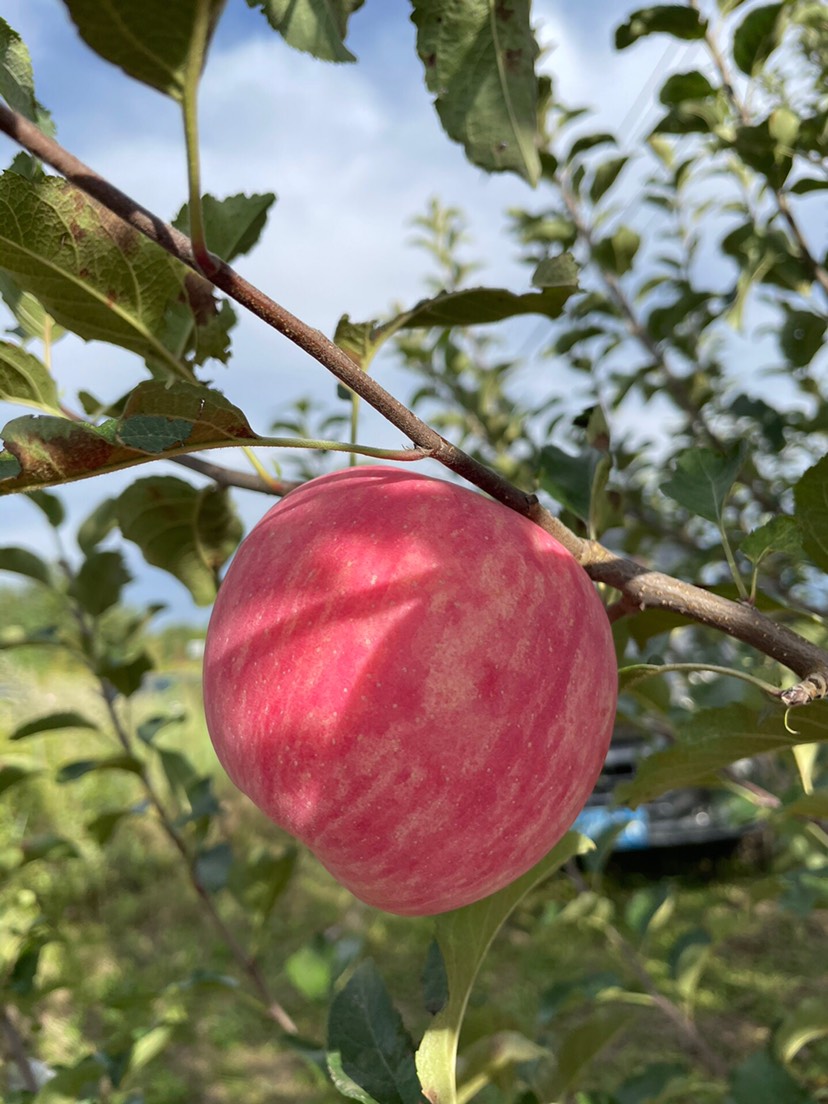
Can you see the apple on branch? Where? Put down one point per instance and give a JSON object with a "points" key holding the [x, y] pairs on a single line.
{"points": [[412, 679]]}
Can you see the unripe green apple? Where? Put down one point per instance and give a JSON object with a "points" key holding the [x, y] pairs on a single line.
{"points": [[412, 679]]}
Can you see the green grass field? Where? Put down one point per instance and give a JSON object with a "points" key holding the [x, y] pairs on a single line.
{"points": [[134, 950]]}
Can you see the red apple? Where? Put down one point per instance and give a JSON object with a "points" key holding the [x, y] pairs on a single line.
{"points": [[415, 681]]}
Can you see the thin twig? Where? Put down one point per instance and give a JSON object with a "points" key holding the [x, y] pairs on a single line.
{"points": [[246, 963], [229, 477], [17, 1051], [644, 587], [632, 959]]}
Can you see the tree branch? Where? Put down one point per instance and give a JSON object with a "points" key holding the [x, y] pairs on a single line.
{"points": [[229, 477], [641, 586], [17, 1051]]}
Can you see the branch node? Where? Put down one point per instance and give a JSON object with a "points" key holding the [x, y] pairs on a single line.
{"points": [[812, 688]]}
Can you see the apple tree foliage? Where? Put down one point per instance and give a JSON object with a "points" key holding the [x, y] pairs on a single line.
{"points": [[680, 289]]}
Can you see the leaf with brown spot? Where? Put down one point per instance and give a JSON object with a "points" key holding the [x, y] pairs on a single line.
{"points": [[490, 106], [92, 272], [157, 421]]}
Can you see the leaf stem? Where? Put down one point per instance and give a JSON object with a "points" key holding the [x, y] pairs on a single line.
{"points": [[641, 671], [189, 108], [731, 563], [258, 466]]}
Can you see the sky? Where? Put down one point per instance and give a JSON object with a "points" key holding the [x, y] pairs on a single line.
{"points": [[353, 152]]}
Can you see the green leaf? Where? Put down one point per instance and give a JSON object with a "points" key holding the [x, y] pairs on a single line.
{"points": [[651, 1085], [687, 959], [147, 730], [51, 506], [702, 481], [51, 722], [802, 336], [801, 1026], [233, 225], [157, 420], [10, 776], [762, 148], [16, 77], [48, 845], [672, 19], [71, 772], [435, 981], [767, 255], [762, 1080], [714, 738], [146, 1048], [617, 252], [92, 272], [478, 306], [811, 499], [151, 40], [100, 580], [559, 271], [368, 1046], [464, 937], [685, 86], [25, 380], [260, 883], [808, 184], [570, 479], [358, 339], [780, 534], [310, 970], [317, 27], [127, 675], [485, 1058], [23, 562], [605, 176], [32, 320], [648, 907], [21, 977], [588, 142], [102, 827], [213, 866], [757, 36], [187, 531], [490, 105], [98, 525], [580, 1046]]}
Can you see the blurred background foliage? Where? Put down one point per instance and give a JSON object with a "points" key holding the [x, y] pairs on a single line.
{"points": [[161, 943]]}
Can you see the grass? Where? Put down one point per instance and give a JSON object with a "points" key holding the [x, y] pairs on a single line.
{"points": [[135, 950]]}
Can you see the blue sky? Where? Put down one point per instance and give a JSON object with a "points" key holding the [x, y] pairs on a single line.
{"points": [[353, 153]]}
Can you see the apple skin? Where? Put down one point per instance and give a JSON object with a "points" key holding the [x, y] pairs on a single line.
{"points": [[413, 680]]}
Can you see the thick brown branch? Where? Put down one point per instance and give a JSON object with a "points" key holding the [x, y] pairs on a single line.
{"points": [[649, 589], [641, 586]]}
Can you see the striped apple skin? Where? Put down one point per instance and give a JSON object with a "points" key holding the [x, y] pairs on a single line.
{"points": [[412, 679]]}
